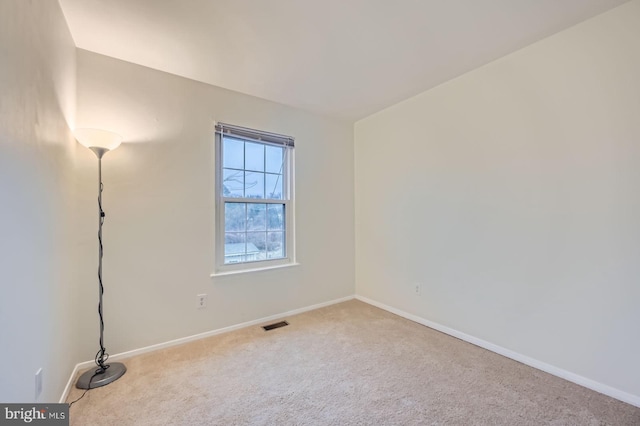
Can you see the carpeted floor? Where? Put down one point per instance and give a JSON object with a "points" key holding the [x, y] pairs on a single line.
{"points": [[347, 364]]}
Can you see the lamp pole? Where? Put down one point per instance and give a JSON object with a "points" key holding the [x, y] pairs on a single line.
{"points": [[100, 357]]}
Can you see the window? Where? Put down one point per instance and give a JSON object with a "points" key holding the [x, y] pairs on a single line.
{"points": [[254, 193]]}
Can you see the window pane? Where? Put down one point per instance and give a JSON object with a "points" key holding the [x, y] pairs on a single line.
{"points": [[275, 217], [274, 187], [257, 245], [231, 238], [275, 245], [233, 153], [254, 185], [254, 156], [232, 183], [256, 217], [275, 159], [234, 247], [235, 217]]}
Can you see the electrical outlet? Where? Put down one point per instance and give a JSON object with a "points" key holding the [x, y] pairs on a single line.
{"points": [[201, 301], [417, 288], [38, 383]]}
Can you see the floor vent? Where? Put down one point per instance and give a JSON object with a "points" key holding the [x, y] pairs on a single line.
{"points": [[275, 325]]}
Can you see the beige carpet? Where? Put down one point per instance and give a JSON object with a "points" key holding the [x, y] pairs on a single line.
{"points": [[347, 364]]}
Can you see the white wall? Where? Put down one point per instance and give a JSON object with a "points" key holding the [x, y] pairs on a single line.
{"points": [[37, 105], [512, 193], [158, 198]]}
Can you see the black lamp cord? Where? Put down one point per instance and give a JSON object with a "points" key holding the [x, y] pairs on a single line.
{"points": [[102, 355], [86, 390]]}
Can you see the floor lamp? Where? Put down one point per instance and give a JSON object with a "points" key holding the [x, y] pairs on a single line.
{"points": [[100, 142]]}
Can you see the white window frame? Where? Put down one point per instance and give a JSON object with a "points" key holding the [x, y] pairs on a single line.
{"points": [[267, 138]]}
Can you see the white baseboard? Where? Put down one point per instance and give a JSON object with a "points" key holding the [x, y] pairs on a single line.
{"points": [[128, 354], [67, 388], [558, 372]]}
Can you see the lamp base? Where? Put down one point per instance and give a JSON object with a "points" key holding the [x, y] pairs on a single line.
{"points": [[89, 381]]}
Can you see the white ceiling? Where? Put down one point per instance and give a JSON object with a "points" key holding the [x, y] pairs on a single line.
{"points": [[344, 58]]}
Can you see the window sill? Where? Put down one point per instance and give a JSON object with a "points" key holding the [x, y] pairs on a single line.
{"points": [[244, 271]]}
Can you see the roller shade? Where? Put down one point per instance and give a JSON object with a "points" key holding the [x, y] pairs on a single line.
{"points": [[254, 135]]}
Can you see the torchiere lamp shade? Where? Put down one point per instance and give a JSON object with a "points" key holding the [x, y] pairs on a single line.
{"points": [[96, 138]]}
